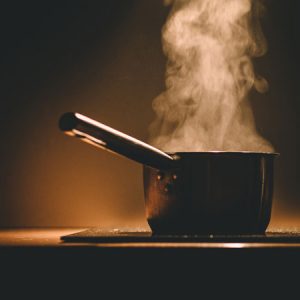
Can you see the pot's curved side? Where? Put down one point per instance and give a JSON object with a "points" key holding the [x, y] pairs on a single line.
{"points": [[211, 193]]}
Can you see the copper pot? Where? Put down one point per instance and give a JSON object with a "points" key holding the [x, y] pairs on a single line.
{"points": [[191, 192]]}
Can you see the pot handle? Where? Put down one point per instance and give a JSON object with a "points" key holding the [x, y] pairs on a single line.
{"points": [[105, 137]]}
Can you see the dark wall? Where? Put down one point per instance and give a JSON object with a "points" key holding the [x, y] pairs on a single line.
{"points": [[104, 59], [277, 112]]}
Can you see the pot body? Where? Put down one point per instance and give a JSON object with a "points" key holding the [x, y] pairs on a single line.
{"points": [[211, 193]]}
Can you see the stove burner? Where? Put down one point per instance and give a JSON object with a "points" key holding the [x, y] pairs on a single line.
{"points": [[99, 235]]}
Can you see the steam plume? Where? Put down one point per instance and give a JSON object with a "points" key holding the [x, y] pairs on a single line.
{"points": [[209, 45]]}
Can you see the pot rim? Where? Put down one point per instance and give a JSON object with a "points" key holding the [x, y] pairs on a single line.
{"points": [[222, 153]]}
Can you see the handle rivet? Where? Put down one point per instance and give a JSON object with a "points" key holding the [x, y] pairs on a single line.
{"points": [[160, 176]]}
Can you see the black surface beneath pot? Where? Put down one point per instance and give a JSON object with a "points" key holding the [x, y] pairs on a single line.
{"points": [[100, 235]]}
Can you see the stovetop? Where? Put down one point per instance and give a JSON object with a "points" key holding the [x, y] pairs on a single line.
{"points": [[100, 235]]}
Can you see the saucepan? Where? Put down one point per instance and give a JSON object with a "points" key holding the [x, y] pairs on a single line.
{"points": [[214, 192]]}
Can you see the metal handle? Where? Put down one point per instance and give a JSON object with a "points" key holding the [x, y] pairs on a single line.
{"points": [[107, 138]]}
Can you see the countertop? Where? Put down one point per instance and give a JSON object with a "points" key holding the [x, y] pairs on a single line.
{"points": [[50, 238], [39, 256]]}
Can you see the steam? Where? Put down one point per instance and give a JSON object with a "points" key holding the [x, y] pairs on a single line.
{"points": [[209, 45]]}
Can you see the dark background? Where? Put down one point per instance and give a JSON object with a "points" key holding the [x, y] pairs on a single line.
{"points": [[104, 59]]}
